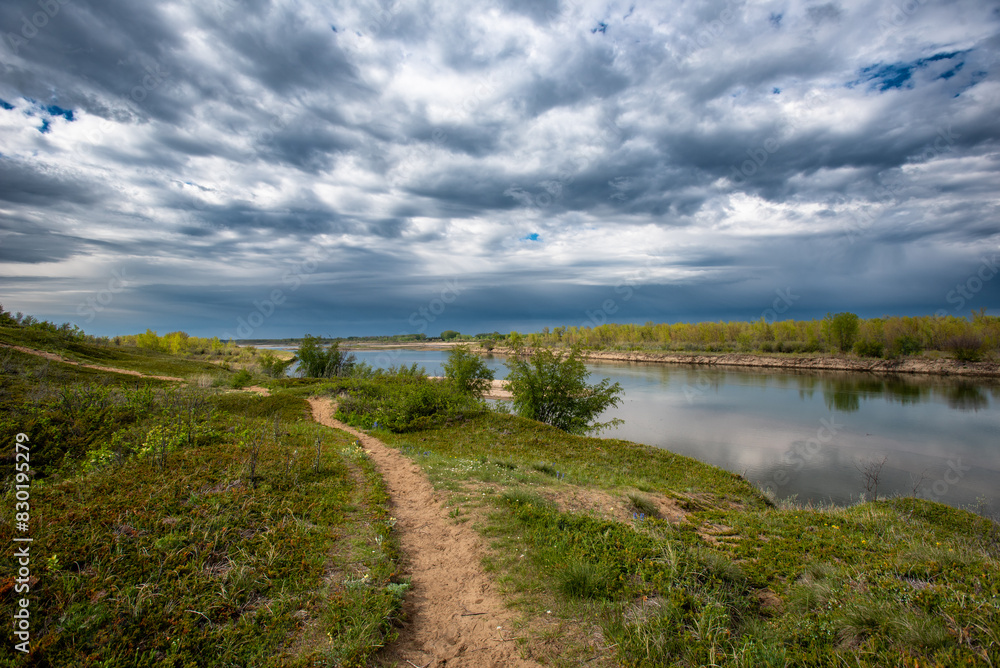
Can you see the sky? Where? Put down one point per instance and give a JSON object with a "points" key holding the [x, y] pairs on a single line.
{"points": [[270, 168]]}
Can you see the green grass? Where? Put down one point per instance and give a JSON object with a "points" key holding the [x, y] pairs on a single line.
{"points": [[739, 582], [178, 526], [88, 352], [183, 527]]}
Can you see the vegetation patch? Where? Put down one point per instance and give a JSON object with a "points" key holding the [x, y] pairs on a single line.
{"points": [[738, 582], [183, 526]]}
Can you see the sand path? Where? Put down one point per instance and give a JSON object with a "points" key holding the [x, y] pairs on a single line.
{"points": [[59, 358], [454, 615]]}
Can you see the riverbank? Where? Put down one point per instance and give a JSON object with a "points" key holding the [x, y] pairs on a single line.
{"points": [[909, 365], [632, 555]]}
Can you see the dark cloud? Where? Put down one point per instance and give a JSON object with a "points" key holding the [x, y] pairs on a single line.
{"points": [[540, 152]]}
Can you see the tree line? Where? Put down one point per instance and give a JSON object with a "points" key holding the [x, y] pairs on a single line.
{"points": [[967, 339]]}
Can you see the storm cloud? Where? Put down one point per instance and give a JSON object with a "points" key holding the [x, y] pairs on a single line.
{"points": [[339, 166]]}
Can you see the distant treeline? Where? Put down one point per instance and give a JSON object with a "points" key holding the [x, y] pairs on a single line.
{"points": [[968, 339], [446, 335], [30, 322]]}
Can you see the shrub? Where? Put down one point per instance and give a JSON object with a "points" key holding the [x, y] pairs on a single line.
{"points": [[272, 366], [401, 403], [869, 348], [468, 371], [965, 347], [552, 388], [317, 362], [242, 379], [905, 345]]}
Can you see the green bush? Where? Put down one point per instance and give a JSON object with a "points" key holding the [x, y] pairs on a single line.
{"points": [[468, 371], [401, 403], [552, 388], [905, 345], [869, 348], [317, 362], [241, 379], [272, 366]]}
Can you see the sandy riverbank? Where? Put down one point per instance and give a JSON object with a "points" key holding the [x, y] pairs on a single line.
{"points": [[918, 365]]}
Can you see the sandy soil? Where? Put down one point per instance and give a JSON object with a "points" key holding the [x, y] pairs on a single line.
{"points": [[497, 391], [942, 367], [59, 358], [454, 615]]}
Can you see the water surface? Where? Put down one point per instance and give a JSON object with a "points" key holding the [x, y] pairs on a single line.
{"points": [[805, 434]]}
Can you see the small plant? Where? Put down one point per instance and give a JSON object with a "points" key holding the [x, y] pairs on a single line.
{"points": [[582, 579], [871, 473], [644, 505], [397, 589], [315, 361], [242, 378]]}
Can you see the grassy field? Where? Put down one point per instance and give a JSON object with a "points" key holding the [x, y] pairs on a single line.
{"points": [[183, 526], [635, 556], [180, 525]]}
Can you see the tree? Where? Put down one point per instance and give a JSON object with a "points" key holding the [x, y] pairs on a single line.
{"points": [[843, 330], [272, 365], [148, 340], [468, 371], [317, 362], [449, 334], [552, 388]]}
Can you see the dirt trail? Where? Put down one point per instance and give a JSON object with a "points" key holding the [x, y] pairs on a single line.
{"points": [[454, 615], [59, 358]]}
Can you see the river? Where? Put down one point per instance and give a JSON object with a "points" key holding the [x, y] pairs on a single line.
{"points": [[809, 435]]}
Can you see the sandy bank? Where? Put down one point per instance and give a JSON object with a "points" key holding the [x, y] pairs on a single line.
{"points": [[940, 367], [497, 391]]}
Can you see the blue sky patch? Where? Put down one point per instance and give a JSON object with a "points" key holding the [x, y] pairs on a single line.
{"points": [[55, 110], [532, 237], [5, 105], [900, 75], [45, 127]]}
